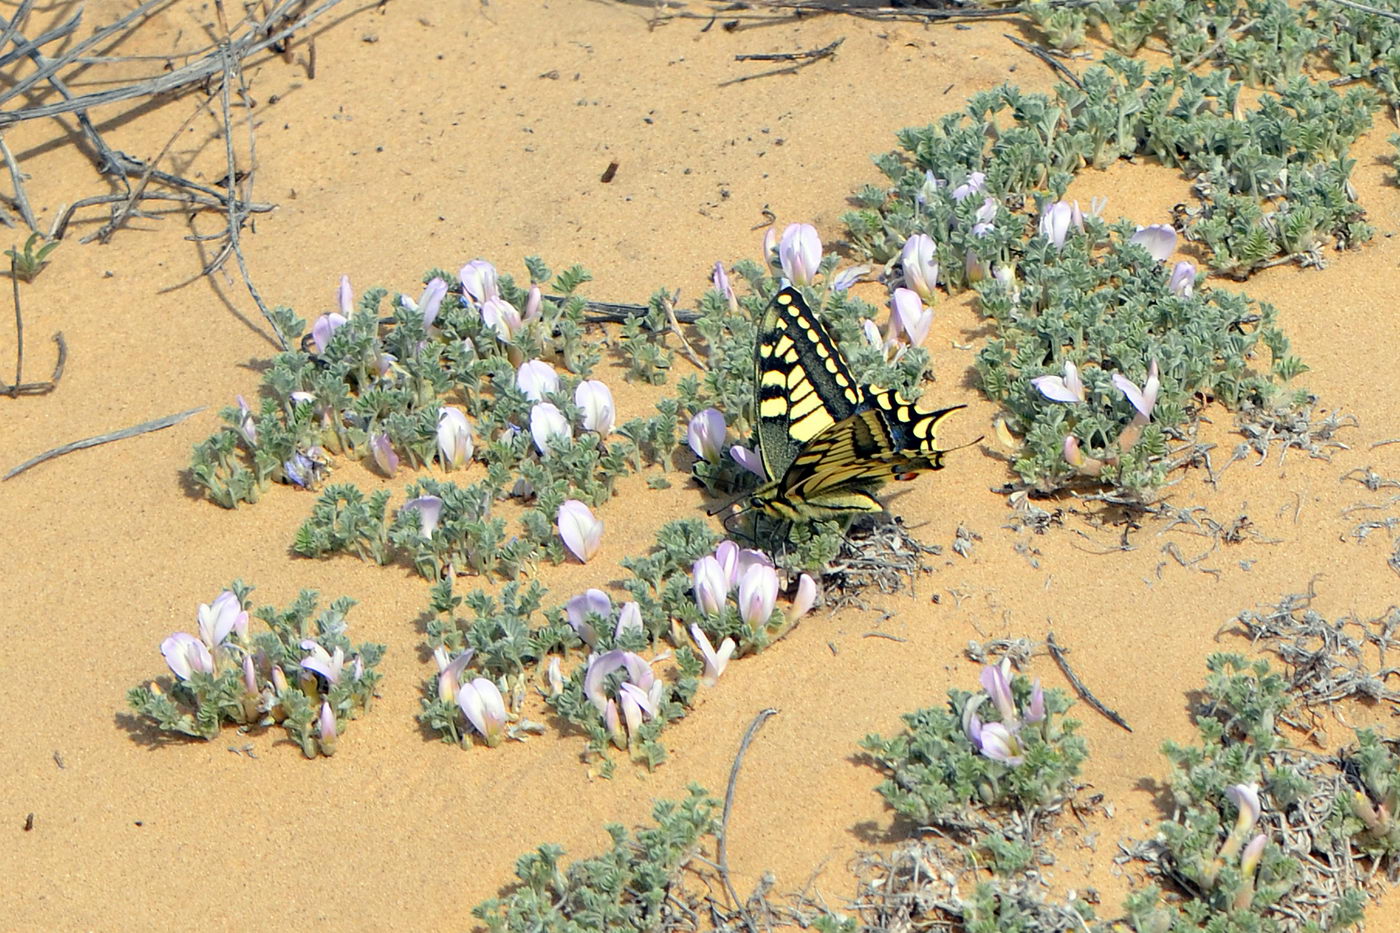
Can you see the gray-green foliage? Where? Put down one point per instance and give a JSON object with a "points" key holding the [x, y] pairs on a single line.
{"points": [[627, 888], [282, 693], [1199, 850], [937, 773], [1105, 306], [384, 374], [1273, 178], [1261, 42]]}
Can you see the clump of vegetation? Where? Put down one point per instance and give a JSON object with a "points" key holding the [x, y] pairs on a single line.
{"points": [[628, 888], [302, 675]]}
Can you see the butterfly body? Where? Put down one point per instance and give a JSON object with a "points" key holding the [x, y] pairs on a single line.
{"points": [[825, 440]]}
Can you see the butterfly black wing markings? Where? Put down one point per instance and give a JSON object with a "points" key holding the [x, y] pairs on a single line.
{"points": [[802, 384], [825, 441]]}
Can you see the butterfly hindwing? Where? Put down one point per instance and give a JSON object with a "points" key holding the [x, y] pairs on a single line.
{"points": [[832, 474], [802, 384]]}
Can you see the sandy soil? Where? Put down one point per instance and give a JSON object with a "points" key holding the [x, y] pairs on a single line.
{"points": [[435, 133]]}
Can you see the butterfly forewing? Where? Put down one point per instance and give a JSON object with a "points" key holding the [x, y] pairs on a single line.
{"points": [[802, 384]]}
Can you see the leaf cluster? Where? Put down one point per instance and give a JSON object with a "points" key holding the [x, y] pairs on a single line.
{"points": [[284, 694], [937, 776], [628, 888]]}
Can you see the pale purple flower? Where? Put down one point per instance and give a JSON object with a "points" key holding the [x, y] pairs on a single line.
{"points": [[345, 296], [800, 253], [705, 434], [581, 531], [998, 686], [975, 183], [536, 378], [326, 731], [1066, 388], [218, 619], [186, 655], [1072, 454], [329, 666], [843, 280], [629, 619], [909, 317], [578, 610], [1253, 852], [710, 583], [450, 672], [599, 667], [642, 700], [715, 661], [919, 260], [250, 675], [301, 469], [429, 509], [429, 303], [326, 325], [555, 678], [479, 281], [727, 553], [500, 315], [748, 558], [247, 427], [632, 715], [999, 743], [971, 722], [984, 215], [548, 425], [758, 593], [1144, 399], [279, 680], [871, 331], [1035, 712], [720, 278], [454, 437], [1245, 797], [748, 460], [595, 400], [484, 708], [1183, 280], [1158, 239], [613, 723], [1055, 221], [804, 600], [770, 244], [534, 303], [382, 452]]}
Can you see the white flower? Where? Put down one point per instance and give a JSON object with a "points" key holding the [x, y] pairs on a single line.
{"points": [[715, 661], [800, 253], [580, 530], [454, 433], [536, 379], [595, 400], [548, 424], [1066, 388], [1158, 239]]}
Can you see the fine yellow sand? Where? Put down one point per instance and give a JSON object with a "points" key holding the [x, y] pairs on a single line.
{"points": [[435, 133]]}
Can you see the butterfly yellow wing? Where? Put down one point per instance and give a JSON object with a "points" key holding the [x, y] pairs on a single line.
{"points": [[833, 474], [802, 385]]}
